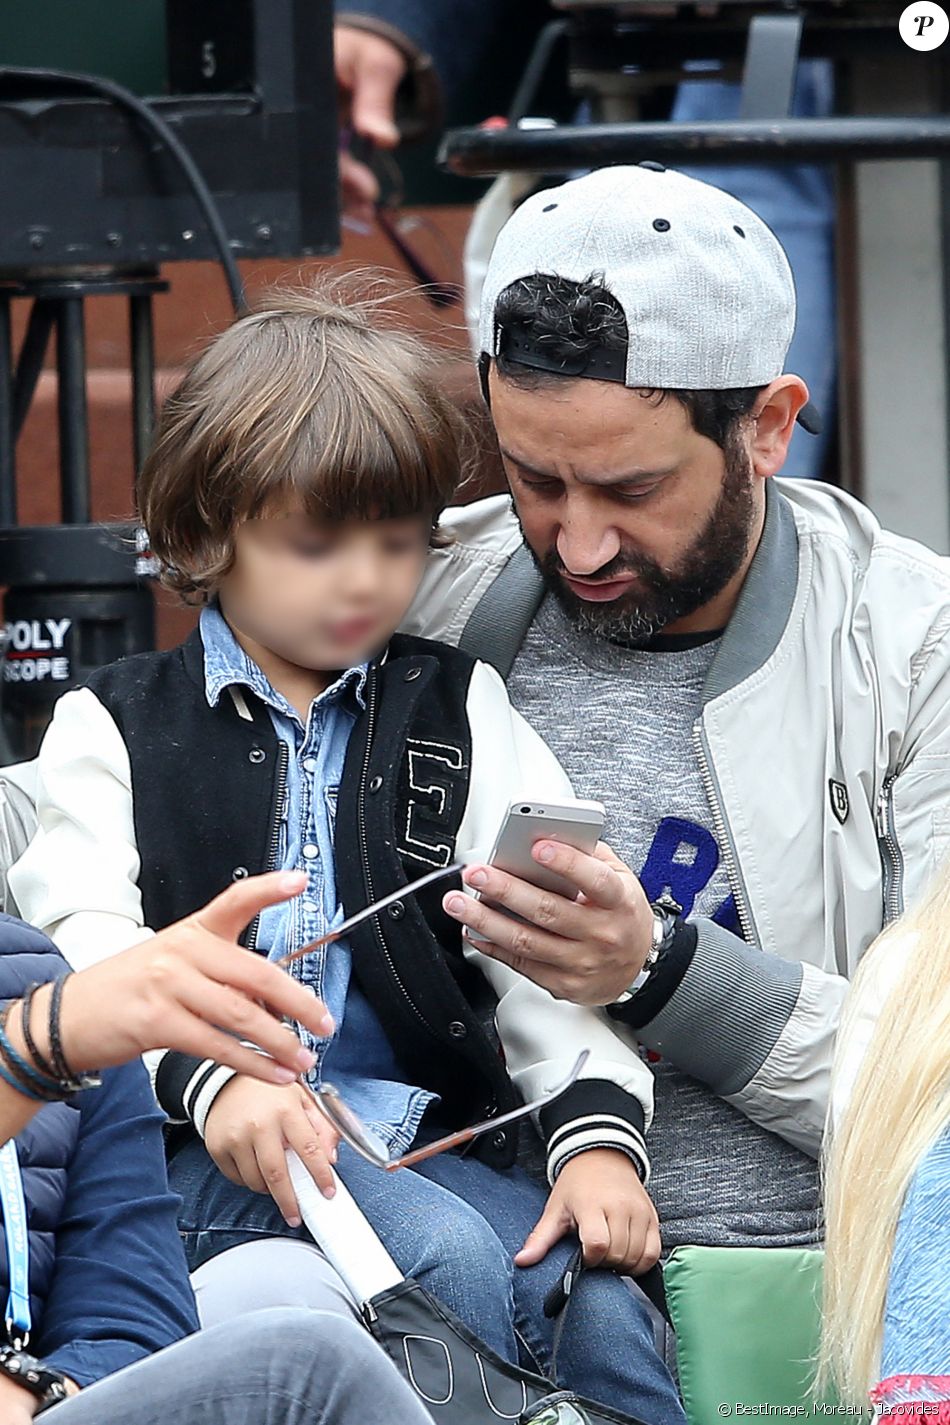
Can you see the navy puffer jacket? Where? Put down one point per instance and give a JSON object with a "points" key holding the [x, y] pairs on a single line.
{"points": [[108, 1282]]}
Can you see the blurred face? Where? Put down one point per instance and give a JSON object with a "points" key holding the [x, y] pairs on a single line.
{"points": [[637, 521], [322, 597]]}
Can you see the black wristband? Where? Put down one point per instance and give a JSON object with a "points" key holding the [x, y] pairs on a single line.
{"points": [[26, 1010], [60, 1067], [71, 1083], [664, 981]]}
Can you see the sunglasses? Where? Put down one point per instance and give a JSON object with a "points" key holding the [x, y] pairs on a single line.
{"points": [[370, 1146], [348, 1124]]}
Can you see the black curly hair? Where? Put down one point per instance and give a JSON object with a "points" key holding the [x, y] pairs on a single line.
{"points": [[571, 320]]}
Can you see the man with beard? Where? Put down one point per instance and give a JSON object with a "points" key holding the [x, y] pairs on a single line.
{"points": [[751, 674]]}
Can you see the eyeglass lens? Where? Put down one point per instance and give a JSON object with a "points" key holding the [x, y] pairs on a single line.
{"points": [[365, 1141], [352, 1128]]}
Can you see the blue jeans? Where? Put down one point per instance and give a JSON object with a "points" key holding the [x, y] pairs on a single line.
{"points": [[454, 1224]]}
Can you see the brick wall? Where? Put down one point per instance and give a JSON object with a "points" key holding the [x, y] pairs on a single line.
{"points": [[196, 307]]}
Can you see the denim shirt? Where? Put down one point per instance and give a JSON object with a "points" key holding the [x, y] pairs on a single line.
{"points": [[916, 1317], [358, 1058]]}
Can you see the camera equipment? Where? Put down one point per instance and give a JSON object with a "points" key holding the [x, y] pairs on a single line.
{"points": [[237, 159], [893, 216]]}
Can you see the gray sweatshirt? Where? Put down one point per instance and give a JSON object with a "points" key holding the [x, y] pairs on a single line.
{"points": [[718, 1178]]}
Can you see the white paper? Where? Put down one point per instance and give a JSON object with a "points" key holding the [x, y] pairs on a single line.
{"points": [[339, 1228]]}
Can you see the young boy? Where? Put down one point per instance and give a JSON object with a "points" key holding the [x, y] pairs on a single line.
{"points": [[293, 490]]}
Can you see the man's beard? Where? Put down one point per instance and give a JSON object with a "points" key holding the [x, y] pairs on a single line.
{"points": [[664, 596]]}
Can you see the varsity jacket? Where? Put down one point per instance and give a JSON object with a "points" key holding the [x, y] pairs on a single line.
{"points": [[108, 1281], [824, 746], [150, 802]]}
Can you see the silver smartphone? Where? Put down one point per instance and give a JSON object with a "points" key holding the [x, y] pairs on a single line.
{"points": [[577, 823]]}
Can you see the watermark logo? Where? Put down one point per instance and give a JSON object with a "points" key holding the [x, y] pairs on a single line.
{"points": [[924, 26]]}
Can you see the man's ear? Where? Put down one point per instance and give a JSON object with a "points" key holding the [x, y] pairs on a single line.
{"points": [[773, 418]]}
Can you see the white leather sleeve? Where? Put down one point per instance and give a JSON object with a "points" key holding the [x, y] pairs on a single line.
{"points": [[885, 965], [541, 1036], [78, 878]]}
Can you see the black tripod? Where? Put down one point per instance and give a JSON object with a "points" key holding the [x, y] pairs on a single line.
{"points": [[77, 594]]}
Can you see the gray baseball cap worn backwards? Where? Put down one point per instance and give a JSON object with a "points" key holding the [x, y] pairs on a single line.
{"points": [[704, 284]]}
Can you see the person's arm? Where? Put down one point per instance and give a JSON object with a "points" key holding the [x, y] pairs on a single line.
{"points": [[758, 1029], [443, 42], [78, 878], [597, 1161], [881, 971], [384, 51], [192, 986], [790, 1088], [120, 1287], [761, 1030], [612, 1105]]}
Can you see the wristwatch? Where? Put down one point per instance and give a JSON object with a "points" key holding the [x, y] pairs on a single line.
{"points": [[48, 1385], [665, 913]]}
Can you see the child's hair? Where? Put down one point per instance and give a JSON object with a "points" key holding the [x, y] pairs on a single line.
{"points": [[899, 1106], [314, 396]]}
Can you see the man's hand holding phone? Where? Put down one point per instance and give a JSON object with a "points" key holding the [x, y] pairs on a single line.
{"points": [[588, 950]]}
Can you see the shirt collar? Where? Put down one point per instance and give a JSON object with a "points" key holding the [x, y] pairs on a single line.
{"points": [[227, 666]]}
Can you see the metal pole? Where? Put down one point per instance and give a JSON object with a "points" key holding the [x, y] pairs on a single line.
{"points": [[7, 459], [73, 418], [143, 375], [30, 364], [479, 152]]}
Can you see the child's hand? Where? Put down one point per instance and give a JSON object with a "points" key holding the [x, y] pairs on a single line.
{"points": [[599, 1195], [249, 1127]]}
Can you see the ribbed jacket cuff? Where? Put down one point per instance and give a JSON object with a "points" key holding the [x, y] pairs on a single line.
{"points": [[187, 1086], [664, 980], [205, 1094], [594, 1113], [727, 1012]]}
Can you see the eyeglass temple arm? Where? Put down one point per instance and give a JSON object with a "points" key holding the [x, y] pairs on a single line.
{"points": [[369, 910], [465, 1135]]}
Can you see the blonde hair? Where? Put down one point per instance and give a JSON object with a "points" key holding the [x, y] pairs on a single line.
{"points": [[899, 1106], [315, 396]]}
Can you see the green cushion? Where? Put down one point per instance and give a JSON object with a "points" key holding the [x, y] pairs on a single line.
{"points": [[747, 1328]]}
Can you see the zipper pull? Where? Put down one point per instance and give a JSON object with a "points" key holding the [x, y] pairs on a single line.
{"points": [[880, 815]]}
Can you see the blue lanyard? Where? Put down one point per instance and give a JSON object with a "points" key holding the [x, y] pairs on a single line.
{"points": [[18, 1318]]}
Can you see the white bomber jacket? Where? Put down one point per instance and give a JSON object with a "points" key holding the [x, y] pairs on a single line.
{"points": [[824, 743]]}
